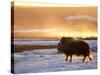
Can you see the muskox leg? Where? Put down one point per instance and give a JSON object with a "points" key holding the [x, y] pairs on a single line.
{"points": [[66, 58], [84, 58], [90, 58], [70, 58]]}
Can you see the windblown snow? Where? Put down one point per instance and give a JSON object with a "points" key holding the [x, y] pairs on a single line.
{"points": [[48, 60]]}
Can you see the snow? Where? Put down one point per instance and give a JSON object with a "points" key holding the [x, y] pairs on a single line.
{"points": [[35, 42], [92, 44], [48, 60]]}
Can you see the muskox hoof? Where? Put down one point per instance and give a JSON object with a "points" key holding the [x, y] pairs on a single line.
{"points": [[70, 61], [66, 60], [83, 60]]}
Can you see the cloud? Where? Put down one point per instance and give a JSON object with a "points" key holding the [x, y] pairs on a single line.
{"points": [[54, 21], [89, 18], [37, 30]]}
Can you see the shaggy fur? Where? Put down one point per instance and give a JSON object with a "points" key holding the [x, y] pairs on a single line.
{"points": [[70, 46]]}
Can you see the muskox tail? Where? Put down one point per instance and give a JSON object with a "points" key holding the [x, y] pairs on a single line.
{"points": [[90, 55]]}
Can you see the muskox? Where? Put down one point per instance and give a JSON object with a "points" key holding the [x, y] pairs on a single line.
{"points": [[70, 46]]}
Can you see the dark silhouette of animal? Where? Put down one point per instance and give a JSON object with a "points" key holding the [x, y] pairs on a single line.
{"points": [[70, 46]]}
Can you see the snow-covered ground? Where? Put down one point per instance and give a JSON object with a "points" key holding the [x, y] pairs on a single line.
{"points": [[35, 42], [48, 60]]}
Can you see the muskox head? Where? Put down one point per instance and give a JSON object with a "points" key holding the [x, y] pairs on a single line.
{"points": [[63, 42], [66, 39]]}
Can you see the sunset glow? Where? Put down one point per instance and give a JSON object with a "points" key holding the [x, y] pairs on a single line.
{"points": [[34, 4], [52, 20]]}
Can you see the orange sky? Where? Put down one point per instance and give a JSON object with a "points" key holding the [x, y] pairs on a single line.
{"points": [[56, 21]]}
